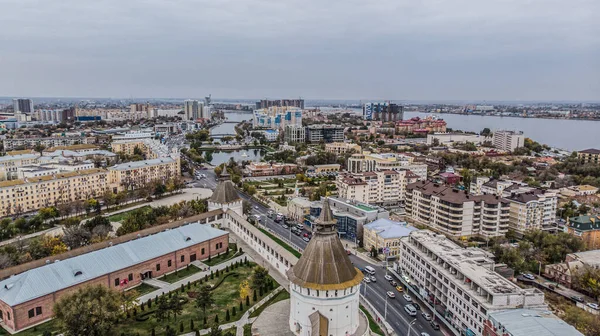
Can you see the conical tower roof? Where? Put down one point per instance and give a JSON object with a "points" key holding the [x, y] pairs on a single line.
{"points": [[225, 193], [324, 264]]}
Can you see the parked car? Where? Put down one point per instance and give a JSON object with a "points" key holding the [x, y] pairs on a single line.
{"points": [[399, 288], [306, 239], [593, 305], [528, 276], [372, 277], [393, 283], [407, 298], [391, 294], [424, 334], [417, 307], [367, 280], [435, 325], [426, 316], [577, 298], [388, 277]]}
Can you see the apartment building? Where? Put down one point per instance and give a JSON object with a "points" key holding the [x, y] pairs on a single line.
{"points": [[294, 134], [527, 322], [265, 103], [591, 155], [9, 164], [384, 112], [277, 117], [462, 281], [342, 147], [376, 187], [28, 143], [456, 212], [533, 210], [24, 195], [326, 133], [133, 175], [368, 162], [508, 140], [384, 235], [152, 149]]}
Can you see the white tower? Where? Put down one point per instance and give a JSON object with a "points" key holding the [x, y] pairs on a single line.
{"points": [[324, 284], [226, 197]]}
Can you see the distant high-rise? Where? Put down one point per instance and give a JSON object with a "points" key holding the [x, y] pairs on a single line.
{"points": [[265, 103], [192, 109], [23, 105], [383, 112], [207, 100]]}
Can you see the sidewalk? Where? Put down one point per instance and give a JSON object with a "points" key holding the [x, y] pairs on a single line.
{"points": [[191, 278]]}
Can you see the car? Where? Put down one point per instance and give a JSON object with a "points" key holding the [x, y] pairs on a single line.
{"points": [[256, 207], [391, 295], [528, 276], [426, 316], [285, 226], [407, 298], [306, 239], [424, 334], [388, 277], [577, 298], [305, 235], [435, 325], [393, 283], [372, 277], [399, 288], [417, 307], [593, 305], [367, 280]]}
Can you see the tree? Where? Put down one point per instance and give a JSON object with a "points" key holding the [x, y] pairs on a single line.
{"points": [[259, 278], [215, 330], [130, 299], [486, 132], [92, 310], [588, 279], [244, 289], [76, 236], [39, 148], [204, 298]]}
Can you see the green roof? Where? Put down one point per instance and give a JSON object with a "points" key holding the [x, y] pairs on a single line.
{"points": [[585, 223], [365, 207]]}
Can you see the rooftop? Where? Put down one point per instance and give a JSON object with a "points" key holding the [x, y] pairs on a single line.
{"points": [[18, 157], [585, 222], [387, 228], [590, 151], [527, 322], [59, 275], [453, 195], [225, 193]]}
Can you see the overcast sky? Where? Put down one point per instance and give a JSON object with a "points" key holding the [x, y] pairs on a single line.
{"points": [[316, 49]]}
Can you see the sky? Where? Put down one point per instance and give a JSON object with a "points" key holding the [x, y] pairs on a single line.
{"points": [[512, 50]]}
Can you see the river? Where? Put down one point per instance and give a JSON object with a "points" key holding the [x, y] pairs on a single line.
{"points": [[229, 128], [565, 134]]}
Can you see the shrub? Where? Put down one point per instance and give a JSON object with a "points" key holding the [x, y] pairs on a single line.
{"points": [[212, 275], [142, 306], [204, 322], [182, 288], [233, 312], [247, 301], [189, 285], [217, 318], [254, 296], [192, 325], [227, 317], [241, 306], [153, 332], [181, 326]]}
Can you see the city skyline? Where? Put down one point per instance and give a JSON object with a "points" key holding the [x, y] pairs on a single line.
{"points": [[459, 51]]}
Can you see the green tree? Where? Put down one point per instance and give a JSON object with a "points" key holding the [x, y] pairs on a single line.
{"points": [[204, 298], [92, 310], [215, 330], [259, 278]]}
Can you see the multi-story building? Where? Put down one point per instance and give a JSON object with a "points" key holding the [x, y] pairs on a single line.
{"points": [[268, 169], [152, 149], [342, 147], [24, 195], [193, 109], [384, 235], [565, 273], [456, 212], [534, 210], [298, 208], [591, 155], [23, 105], [28, 143], [461, 280], [134, 175], [265, 103], [379, 187], [9, 164], [294, 134], [418, 125], [527, 322], [587, 228], [277, 117], [60, 115], [324, 132], [383, 112], [508, 140], [368, 162], [579, 190]]}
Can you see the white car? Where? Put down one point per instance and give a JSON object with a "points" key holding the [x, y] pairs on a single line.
{"points": [[426, 316], [407, 298], [593, 306], [391, 294], [367, 280], [373, 278], [528, 276], [424, 334], [388, 277]]}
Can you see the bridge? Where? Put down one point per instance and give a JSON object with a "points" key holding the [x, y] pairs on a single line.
{"points": [[220, 135]]}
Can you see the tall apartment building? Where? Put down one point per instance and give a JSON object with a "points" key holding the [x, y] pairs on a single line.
{"points": [[324, 132], [456, 212], [533, 210], [376, 187], [139, 107], [28, 143], [151, 148], [265, 103], [193, 109], [462, 281], [368, 162], [23, 105], [133, 175], [342, 147], [18, 196], [277, 117], [591, 155], [294, 134], [383, 112], [508, 140]]}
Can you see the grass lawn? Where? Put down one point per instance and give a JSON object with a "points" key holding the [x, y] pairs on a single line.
{"points": [[233, 252], [180, 274], [282, 295], [248, 330], [120, 216], [144, 289], [35, 331], [372, 324], [282, 243]]}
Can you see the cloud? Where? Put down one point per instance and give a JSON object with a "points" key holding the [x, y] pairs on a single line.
{"points": [[400, 49]]}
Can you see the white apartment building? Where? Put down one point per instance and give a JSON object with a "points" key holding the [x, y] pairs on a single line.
{"points": [[342, 147], [368, 162], [462, 281], [534, 210], [375, 187], [9, 164], [508, 140], [455, 212], [12, 144]]}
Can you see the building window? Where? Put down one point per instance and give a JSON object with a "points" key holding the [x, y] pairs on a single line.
{"points": [[130, 277], [182, 258], [116, 281], [38, 311], [30, 313], [202, 251], [157, 267], [169, 263]]}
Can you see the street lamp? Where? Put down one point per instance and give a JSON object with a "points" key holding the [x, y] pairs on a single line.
{"points": [[410, 326]]}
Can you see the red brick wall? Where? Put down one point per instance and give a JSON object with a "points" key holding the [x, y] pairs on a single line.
{"points": [[20, 313]]}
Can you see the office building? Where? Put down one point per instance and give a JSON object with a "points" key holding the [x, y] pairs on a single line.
{"points": [[324, 133], [277, 117], [342, 147], [383, 112], [591, 155], [384, 235], [28, 298], [533, 210], [294, 134], [508, 140], [23, 105], [527, 322], [456, 212], [265, 103], [462, 281]]}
